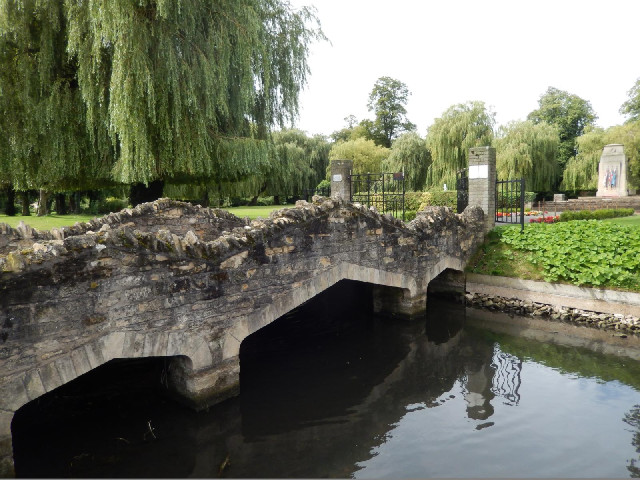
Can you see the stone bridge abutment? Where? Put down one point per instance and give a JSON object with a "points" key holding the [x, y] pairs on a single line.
{"points": [[168, 279]]}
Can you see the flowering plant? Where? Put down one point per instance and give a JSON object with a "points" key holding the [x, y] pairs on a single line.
{"points": [[545, 219]]}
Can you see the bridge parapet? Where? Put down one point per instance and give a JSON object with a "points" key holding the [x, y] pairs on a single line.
{"points": [[178, 217], [113, 290]]}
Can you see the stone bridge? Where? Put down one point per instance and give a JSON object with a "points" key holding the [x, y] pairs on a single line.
{"points": [[169, 279]]}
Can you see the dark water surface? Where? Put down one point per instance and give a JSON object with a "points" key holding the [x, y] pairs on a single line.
{"points": [[333, 391]]}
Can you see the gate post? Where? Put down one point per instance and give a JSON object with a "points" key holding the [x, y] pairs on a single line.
{"points": [[340, 181], [482, 182]]}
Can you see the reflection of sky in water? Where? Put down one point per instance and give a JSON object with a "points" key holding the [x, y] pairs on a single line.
{"points": [[562, 423]]}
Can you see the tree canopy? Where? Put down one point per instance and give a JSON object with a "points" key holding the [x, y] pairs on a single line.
{"points": [[631, 107], [449, 139], [569, 113], [409, 153], [366, 155], [138, 90], [387, 100], [527, 150]]}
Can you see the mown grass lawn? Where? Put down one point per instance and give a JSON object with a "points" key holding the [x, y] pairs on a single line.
{"points": [[633, 220], [56, 221], [255, 212], [47, 222]]}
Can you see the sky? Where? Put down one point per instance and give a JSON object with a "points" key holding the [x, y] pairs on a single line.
{"points": [[505, 53]]}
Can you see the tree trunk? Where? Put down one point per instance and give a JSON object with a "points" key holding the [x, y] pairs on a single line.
{"points": [[254, 201], [141, 193], [42, 202], [94, 196], [276, 199], [10, 209], [24, 197], [205, 199], [61, 206], [74, 201]]}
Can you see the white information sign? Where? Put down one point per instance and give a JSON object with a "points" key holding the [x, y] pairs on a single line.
{"points": [[337, 177], [478, 171]]}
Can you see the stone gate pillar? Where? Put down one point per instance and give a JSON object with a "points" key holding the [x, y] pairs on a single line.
{"points": [[482, 182], [340, 183]]}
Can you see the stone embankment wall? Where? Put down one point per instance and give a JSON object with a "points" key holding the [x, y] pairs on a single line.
{"points": [[151, 282], [590, 203], [618, 323]]}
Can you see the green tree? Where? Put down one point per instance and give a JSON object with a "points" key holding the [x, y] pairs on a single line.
{"points": [[366, 155], [387, 100], [581, 171], [409, 153], [352, 130], [450, 137], [142, 90], [569, 113], [525, 149], [299, 162], [631, 107]]}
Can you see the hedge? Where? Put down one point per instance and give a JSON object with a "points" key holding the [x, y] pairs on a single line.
{"points": [[595, 214]]}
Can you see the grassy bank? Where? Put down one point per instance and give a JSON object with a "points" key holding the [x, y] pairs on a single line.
{"points": [[583, 252]]}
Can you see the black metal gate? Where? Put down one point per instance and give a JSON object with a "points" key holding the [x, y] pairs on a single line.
{"points": [[510, 201], [462, 189], [384, 191]]}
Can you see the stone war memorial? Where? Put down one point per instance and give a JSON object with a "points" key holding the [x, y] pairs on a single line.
{"points": [[612, 172]]}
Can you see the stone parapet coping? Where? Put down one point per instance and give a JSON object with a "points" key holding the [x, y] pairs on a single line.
{"points": [[560, 295]]}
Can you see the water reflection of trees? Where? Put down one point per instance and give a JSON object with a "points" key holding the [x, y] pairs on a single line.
{"points": [[633, 418]]}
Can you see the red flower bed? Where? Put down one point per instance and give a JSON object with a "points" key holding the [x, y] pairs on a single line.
{"points": [[545, 219]]}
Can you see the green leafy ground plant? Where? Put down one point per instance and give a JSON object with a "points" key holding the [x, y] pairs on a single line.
{"points": [[583, 252]]}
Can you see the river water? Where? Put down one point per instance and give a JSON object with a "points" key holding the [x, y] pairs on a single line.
{"points": [[331, 390]]}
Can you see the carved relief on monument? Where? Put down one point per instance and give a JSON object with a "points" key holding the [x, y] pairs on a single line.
{"points": [[612, 172]]}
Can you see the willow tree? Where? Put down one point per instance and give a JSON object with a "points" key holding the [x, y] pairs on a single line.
{"points": [[581, 171], [451, 136], [298, 162], [42, 112], [154, 89], [409, 153], [527, 150]]}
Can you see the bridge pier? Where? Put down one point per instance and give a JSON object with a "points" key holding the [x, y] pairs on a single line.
{"points": [[399, 301], [6, 455], [205, 387]]}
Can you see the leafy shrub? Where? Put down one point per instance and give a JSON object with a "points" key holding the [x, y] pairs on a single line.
{"points": [[413, 200], [410, 215], [111, 204], [584, 252], [512, 199], [324, 184], [441, 198], [595, 214]]}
